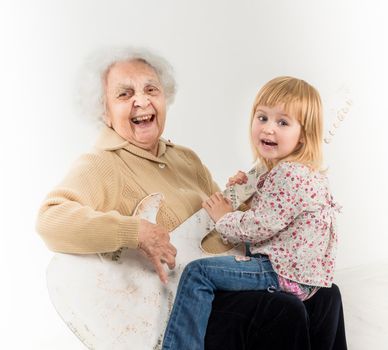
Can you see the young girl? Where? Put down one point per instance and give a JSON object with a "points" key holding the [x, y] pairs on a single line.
{"points": [[289, 229]]}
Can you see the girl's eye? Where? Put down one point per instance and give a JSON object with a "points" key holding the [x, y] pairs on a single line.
{"points": [[262, 118], [283, 122]]}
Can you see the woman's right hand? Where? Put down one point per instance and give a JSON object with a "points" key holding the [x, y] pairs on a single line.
{"points": [[239, 179], [154, 241]]}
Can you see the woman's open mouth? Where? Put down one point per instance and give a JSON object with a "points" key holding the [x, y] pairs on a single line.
{"points": [[143, 119]]}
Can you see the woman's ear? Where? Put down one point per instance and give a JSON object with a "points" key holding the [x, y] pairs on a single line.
{"points": [[107, 121], [105, 117]]}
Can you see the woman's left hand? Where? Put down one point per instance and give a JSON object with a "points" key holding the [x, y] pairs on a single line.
{"points": [[217, 206]]}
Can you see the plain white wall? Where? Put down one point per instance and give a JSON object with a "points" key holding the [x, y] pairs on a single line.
{"points": [[222, 52]]}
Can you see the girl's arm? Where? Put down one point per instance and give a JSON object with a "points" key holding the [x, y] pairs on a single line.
{"points": [[288, 190]]}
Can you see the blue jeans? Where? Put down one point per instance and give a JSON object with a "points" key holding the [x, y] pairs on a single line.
{"points": [[186, 327]]}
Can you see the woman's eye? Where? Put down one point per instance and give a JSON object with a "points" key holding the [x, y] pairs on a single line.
{"points": [[152, 90], [124, 95]]}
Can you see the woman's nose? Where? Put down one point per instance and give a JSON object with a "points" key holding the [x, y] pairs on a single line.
{"points": [[141, 100]]}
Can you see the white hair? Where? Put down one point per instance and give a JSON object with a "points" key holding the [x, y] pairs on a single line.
{"points": [[91, 96]]}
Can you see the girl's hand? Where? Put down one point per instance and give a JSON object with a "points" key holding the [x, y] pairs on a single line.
{"points": [[217, 206], [239, 179]]}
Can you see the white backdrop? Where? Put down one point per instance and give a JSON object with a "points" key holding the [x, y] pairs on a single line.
{"points": [[222, 52]]}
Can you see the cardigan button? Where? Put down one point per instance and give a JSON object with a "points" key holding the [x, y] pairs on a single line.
{"points": [[161, 165]]}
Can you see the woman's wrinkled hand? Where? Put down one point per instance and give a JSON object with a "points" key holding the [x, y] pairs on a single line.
{"points": [[238, 179], [217, 206], [154, 241]]}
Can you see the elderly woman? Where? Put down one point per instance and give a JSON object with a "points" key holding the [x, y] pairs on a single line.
{"points": [[90, 211]]}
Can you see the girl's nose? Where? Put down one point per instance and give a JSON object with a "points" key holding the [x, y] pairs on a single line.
{"points": [[268, 130]]}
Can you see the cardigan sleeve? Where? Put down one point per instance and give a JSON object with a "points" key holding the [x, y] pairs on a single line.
{"points": [[79, 216], [288, 190]]}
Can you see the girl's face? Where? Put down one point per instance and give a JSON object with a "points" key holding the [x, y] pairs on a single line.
{"points": [[275, 133]]}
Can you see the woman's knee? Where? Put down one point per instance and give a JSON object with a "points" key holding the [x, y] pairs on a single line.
{"points": [[294, 308], [284, 308], [280, 322], [332, 294], [326, 299]]}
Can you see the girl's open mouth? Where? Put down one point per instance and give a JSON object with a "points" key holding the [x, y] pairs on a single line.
{"points": [[268, 143]]}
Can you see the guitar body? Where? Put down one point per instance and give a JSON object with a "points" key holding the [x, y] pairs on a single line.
{"points": [[116, 300]]}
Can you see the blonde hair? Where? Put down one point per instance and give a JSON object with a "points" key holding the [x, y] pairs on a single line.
{"points": [[303, 102]]}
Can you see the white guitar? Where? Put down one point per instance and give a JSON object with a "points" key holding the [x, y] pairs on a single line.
{"points": [[116, 301]]}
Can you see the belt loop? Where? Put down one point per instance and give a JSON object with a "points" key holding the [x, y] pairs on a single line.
{"points": [[272, 289]]}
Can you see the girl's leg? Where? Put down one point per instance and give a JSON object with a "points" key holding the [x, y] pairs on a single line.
{"points": [[188, 321]]}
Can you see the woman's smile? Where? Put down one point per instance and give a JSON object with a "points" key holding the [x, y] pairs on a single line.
{"points": [[143, 119]]}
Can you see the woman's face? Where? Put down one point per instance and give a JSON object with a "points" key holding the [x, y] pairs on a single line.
{"points": [[135, 104]]}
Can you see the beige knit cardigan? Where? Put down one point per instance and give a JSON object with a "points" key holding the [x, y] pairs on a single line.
{"points": [[90, 211]]}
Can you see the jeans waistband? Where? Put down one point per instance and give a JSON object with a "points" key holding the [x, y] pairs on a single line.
{"points": [[257, 255]]}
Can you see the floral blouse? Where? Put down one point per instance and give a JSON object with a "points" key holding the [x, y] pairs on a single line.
{"points": [[292, 220]]}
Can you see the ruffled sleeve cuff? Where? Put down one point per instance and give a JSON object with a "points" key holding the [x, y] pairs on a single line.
{"points": [[229, 226]]}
